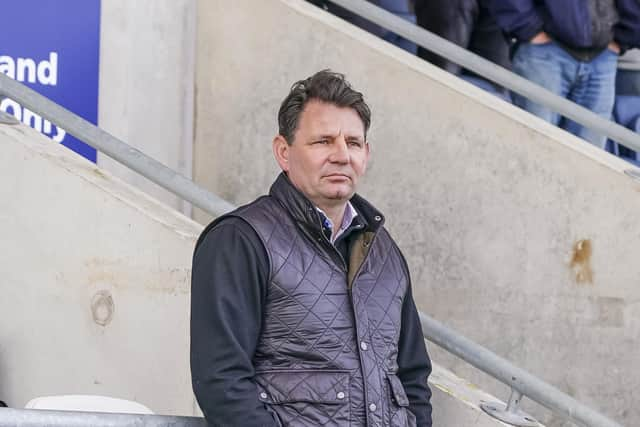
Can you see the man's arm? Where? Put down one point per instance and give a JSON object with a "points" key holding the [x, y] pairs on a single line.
{"points": [[627, 30], [451, 20], [228, 286], [414, 365], [518, 18]]}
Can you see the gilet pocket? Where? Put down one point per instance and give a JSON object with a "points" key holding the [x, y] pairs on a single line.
{"points": [[306, 398], [399, 413]]}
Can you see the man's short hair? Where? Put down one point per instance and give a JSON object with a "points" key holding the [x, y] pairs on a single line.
{"points": [[325, 86]]}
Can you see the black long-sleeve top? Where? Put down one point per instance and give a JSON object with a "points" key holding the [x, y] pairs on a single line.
{"points": [[228, 290]]}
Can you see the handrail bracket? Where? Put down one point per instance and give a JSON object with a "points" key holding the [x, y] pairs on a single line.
{"points": [[510, 413]]}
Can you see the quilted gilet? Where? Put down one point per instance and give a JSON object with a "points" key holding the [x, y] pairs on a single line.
{"points": [[329, 341]]}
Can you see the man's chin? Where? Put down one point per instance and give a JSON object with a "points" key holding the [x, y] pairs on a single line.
{"points": [[339, 195]]}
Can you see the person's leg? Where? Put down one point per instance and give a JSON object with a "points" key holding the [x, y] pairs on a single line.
{"points": [[627, 105], [594, 90], [399, 41], [398, 7], [547, 65], [628, 82], [626, 112], [452, 20], [487, 85]]}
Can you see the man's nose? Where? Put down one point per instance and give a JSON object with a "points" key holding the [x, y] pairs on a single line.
{"points": [[340, 153]]}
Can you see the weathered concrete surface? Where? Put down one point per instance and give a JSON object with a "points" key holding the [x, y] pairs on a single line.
{"points": [[94, 278], [95, 289], [518, 235], [147, 72]]}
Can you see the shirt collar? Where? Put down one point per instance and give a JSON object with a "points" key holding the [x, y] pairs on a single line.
{"points": [[347, 219]]}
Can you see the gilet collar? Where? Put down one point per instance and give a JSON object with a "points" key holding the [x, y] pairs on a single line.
{"points": [[303, 211]]}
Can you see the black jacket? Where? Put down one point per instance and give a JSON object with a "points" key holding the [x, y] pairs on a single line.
{"points": [[583, 27], [230, 292], [467, 23]]}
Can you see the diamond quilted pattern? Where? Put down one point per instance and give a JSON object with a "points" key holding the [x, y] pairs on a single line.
{"points": [[307, 397], [305, 386], [310, 350]]}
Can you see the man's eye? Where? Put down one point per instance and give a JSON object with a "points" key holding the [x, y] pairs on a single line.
{"points": [[355, 143], [321, 141]]}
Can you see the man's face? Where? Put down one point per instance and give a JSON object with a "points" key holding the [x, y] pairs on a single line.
{"points": [[328, 154]]}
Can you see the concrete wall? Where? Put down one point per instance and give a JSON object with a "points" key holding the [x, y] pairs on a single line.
{"points": [[94, 278], [147, 71], [518, 235]]}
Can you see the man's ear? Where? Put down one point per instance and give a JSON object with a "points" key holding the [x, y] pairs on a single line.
{"points": [[281, 152], [367, 148]]}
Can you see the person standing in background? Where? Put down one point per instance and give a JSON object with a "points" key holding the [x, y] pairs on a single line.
{"points": [[401, 8], [571, 48], [626, 111], [468, 24]]}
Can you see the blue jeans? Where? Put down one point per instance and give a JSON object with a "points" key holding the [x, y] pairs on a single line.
{"points": [[626, 110], [628, 82], [589, 84], [397, 7], [487, 85]]}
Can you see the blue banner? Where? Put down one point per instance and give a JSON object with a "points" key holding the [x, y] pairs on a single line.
{"points": [[54, 48]]}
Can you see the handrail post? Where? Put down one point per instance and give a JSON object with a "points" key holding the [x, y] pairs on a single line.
{"points": [[518, 379], [510, 413], [514, 400]]}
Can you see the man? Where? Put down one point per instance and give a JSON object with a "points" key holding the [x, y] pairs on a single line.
{"points": [[401, 8], [626, 110], [301, 306], [570, 47], [469, 24]]}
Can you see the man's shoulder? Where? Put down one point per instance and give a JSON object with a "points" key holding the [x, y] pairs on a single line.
{"points": [[225, 229], [389, 238], [244, 220], [229, 223], [263, 205]]}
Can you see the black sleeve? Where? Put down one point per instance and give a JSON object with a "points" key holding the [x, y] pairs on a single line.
{"points": [[453, 20], [627, 30], [228, 286], [414, 365], [521, 19]]}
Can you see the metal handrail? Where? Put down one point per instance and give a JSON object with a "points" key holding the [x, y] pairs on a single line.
{"points": [[509, 374], [451, 341], [491, 71], [46, 418], [113, 147]]}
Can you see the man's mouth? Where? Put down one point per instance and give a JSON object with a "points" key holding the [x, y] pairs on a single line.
{"points": [[337, 176]]}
